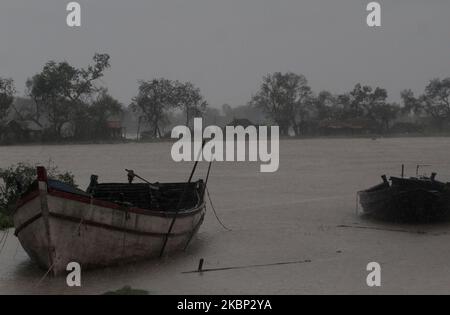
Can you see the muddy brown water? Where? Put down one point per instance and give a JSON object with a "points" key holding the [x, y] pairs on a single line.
{"points": [[304, 214]]}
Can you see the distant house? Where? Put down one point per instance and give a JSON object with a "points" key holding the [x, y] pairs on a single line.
{"points": [[17, 131], [115, 128], [348, 126], [33, 130]]}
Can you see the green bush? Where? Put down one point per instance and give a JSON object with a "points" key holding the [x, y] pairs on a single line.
{"points": [[16, 179], [5, 221]]}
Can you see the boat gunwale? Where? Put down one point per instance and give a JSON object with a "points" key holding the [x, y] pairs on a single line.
{"points": [[110, 205], [379, 188]]}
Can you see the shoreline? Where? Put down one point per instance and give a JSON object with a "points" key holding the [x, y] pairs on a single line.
{"points": [[163, 140]]}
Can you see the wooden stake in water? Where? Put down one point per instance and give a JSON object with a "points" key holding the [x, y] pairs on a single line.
{"points": [[200, 265]]}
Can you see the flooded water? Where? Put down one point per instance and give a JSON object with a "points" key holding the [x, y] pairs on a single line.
{"points": [[304, 212]]}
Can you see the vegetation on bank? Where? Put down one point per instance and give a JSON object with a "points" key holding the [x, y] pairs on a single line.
{"points": [[16, 180], [64, 103], [5, 221]]}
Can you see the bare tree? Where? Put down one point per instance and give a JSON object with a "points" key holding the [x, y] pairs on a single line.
{"points": [[154, 101], [190, 100]]}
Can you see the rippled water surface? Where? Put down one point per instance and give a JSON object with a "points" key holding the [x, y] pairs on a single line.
{"points": [[305, 211]]}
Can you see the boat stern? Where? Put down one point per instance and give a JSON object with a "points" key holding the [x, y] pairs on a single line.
{"points": [[31, 222]]}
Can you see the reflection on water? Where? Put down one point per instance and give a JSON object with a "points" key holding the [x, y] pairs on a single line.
{"points": [[295, 214]]}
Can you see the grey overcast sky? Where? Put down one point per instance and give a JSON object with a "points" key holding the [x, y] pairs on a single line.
{"points": [[226, 46]]}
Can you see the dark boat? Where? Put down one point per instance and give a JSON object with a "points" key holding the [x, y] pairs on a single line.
{"points": [[416, 199]]}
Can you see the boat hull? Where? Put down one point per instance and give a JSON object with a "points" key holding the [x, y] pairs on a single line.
{"points": [[401, 204], [56, 228]]}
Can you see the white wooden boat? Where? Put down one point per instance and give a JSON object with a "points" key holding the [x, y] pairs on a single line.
{"points": [[110, 224]]}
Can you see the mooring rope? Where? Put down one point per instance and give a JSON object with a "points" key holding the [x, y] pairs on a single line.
{"points": [[3, 237], [4, 240], [250, 266], [17, 250], [45, 275], [215, 212]]}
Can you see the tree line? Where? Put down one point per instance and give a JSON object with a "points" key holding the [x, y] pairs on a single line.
{"points": [[66, 102], [289, 101], [62, 100]]}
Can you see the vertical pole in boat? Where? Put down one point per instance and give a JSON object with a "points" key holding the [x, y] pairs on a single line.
{"points": [[172, 223], [403, 170], [197, 226], [206, 180], [193, 172]]}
